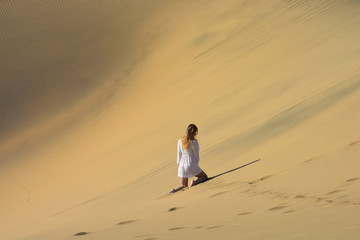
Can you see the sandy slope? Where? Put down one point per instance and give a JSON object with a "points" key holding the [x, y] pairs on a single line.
{"points": [[95, 95]]}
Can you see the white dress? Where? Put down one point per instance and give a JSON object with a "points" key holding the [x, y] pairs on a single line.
{"points": [[188, 160]]}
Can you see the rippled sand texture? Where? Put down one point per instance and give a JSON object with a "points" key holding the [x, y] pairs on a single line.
{"points": [[95, 94]]}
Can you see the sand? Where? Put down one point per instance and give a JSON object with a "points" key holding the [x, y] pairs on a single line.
{"points": [[95, 94]]}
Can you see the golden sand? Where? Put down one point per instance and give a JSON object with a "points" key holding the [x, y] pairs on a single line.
{"points": [[95, 94]]}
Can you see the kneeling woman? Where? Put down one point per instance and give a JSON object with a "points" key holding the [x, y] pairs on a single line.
{"points": [[188, 159]]}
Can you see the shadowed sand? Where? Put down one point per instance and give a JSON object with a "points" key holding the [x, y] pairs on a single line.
{"points": [[94, 96]]}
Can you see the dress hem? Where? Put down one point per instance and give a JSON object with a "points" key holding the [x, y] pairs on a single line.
{"points": [[190, 176]]}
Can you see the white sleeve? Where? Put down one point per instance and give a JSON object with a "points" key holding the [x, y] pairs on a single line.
{"points": [[179, 153]]}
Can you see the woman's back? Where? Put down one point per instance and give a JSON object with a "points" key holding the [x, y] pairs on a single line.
{"points": [[190, 155]]}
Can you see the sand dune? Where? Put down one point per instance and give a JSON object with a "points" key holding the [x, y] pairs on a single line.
{"points": [[94, 95]]}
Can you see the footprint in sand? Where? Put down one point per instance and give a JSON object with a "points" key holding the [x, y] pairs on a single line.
{"points": [[277, 208], [300, 196], [290, 211], [355, 142], [244, 213], [81, 234], [126, 222], [333, 192], [199, 227], [263, 178], [173, 209], [209, 228], [145, 237], [176, 228], [352, 179], [217, 194], [120, 223]]}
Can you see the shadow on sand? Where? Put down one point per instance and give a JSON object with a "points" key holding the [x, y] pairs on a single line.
{"points": [[232, 170]]}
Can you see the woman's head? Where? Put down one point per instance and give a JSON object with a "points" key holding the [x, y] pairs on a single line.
{"points": [[191, 131], [190, 134]]}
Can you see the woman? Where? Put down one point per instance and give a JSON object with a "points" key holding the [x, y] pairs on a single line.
{"points": [[188, 159]]}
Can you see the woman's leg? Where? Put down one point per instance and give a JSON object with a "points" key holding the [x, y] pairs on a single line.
{"points": [[183, 184], [202, 177]]}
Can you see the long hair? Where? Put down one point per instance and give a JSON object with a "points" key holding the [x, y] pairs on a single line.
{"points": [[190, 134]]}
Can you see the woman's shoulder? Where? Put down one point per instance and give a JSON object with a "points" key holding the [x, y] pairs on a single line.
{"points": [[195, 141]]}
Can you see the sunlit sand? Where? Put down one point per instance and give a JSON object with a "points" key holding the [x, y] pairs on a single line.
{"points": [[95, 94]]}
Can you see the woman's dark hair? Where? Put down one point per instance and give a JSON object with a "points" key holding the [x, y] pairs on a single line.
{"points": [[190, 134]]}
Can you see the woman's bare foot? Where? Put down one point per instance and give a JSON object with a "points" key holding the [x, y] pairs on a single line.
{"points": [[192, 183], [176, 189]]}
